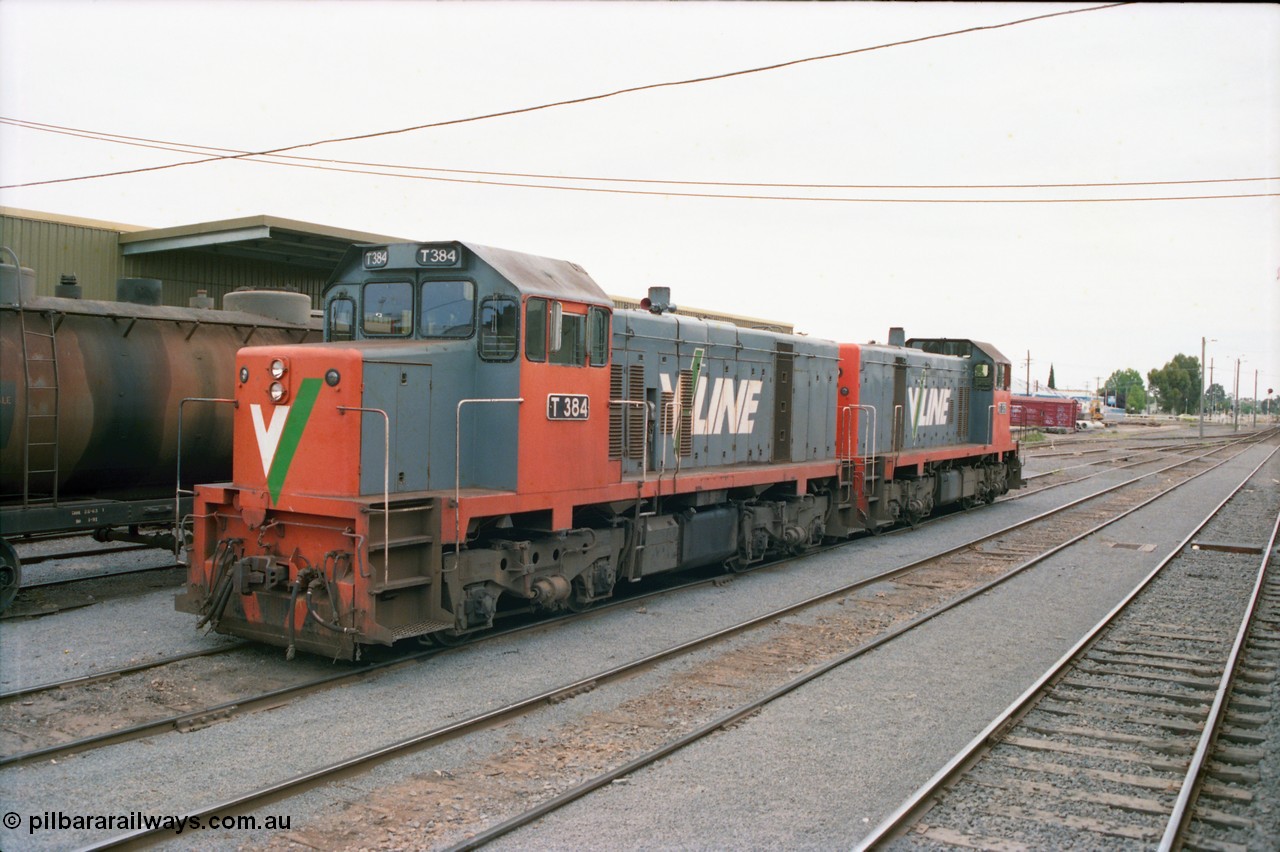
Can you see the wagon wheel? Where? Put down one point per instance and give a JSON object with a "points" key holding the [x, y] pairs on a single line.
{"points": [[10, 574]]}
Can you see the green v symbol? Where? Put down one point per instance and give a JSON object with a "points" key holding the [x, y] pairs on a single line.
{"points": [[299, 414]]}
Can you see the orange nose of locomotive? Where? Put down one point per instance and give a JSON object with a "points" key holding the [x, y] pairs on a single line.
{"points": [[297, 423]]}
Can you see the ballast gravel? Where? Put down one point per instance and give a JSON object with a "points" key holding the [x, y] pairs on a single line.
{"points": [[813, 770]]}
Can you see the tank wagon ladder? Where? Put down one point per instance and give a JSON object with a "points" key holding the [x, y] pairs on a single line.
{"points": [[35, 344]]}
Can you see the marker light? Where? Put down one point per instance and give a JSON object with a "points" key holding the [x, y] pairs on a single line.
{"points": [[332, 377], [244, 375], [276, 391], [277, 369]]}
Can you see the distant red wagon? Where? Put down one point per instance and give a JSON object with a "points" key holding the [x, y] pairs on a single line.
{"points": [[1038, 412]]}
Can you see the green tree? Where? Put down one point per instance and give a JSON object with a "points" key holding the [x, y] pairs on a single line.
{"points": [[1052, 385], [1177, 384], [1130, 393], [1215, 398]]}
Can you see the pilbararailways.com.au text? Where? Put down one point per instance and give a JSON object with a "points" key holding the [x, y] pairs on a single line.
{"points": [[139, 821]]}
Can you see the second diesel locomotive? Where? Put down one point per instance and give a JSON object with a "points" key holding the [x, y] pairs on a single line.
{"points": [[482, 431]]}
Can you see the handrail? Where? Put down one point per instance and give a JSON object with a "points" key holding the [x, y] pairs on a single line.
{"points": [[178, 489], [644, 457], [899, 426], [386, 484]]}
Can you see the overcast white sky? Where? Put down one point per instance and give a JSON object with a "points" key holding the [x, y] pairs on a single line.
{"points": [[1141, 93]]}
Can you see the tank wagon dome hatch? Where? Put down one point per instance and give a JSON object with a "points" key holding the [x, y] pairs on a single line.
{"points": [[530, 274]]}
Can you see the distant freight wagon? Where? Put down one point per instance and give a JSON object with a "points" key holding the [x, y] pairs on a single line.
{"points": [[1038, 412]]}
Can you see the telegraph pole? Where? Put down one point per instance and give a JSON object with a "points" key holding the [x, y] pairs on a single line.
{"points": [[1202, 388], [1235, 409], [1028, 372]]}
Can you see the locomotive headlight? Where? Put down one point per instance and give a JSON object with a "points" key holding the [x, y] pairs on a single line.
{"points": [[332, 377], [244, 375], [276, 391], [277, 369]]}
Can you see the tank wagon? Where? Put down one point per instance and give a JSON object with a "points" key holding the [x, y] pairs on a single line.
{"points": [[484, 432], [91, 405]]}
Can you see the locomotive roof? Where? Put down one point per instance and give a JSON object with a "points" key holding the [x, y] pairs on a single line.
{"points": [[542, 276], [530, 274], [947, 346]]}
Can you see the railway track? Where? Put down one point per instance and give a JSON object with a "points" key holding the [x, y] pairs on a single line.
{"points": [[933, 585], [1147, 732], [48, 597], [76, 691]]}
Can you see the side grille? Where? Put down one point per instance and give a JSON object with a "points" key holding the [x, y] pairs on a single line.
{"points": [[686, 413], [635, 413], [616, 412]]}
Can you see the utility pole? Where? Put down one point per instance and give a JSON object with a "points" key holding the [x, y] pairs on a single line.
{"points": [[1255, 399], [1235, 409], [1028, 372], [1202, 388]]}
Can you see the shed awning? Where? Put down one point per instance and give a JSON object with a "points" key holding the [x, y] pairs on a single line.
{"points": [[257, 238]]}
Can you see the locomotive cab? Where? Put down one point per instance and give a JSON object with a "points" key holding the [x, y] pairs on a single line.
{"points": [[451, 373]]}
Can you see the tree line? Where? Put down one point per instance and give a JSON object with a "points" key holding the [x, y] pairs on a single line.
{"points": [[1175, 389]]}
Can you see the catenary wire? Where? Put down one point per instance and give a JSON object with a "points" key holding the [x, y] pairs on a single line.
{"points": [[574, 101]]}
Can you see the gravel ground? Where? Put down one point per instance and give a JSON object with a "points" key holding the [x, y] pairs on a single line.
{"points": [[839, 742], [1192, 609], [107, 635], [821, 767]]}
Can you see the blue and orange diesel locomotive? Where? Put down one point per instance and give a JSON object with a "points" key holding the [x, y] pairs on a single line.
{"points": [[482, 432]]}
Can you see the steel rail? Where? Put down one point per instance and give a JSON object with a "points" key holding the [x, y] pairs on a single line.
{"points": [[906, 813], [739, 713], [248, 703], [100, 575], [83, 680], [1181, 815], [251, 702], [242, 802]]}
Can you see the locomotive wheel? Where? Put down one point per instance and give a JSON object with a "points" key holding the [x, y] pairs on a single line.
{"points": [[450, 638], [10, 574]]}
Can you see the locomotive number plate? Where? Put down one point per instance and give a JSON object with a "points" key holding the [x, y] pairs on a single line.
{"points": [[568, 406], [375, 258], [439, 254]]}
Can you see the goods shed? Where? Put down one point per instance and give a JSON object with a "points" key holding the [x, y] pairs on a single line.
{"points": [[263, 252]]}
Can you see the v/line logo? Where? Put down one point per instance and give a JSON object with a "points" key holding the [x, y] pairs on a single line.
{"points": [[278, 437], [730, 409], [929, 407]]}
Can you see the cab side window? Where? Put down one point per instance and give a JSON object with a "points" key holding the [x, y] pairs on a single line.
{"points": [[499, 329], [572, 351], [598, 329], [340, 322], [535, 335]]}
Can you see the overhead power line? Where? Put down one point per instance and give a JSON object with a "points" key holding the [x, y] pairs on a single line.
{"points": [[379, 170], [574, 101], [325, 162]]}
